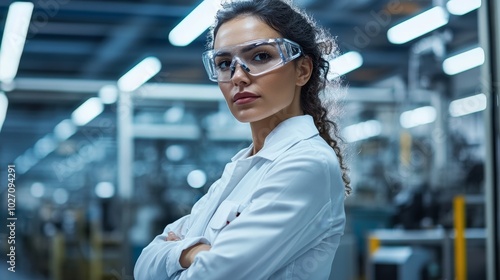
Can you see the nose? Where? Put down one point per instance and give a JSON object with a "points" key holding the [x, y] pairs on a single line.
{"points": [[242, 65]]}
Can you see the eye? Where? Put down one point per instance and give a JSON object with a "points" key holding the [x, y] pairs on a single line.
{"points": [[222, 64], [262, 57]]}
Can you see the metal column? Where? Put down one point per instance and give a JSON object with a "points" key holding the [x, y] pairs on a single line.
{"points": [[125, 173], [489, 17]]}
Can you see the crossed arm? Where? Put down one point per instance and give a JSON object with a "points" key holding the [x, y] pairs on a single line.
{"points": [[187, 255], [287, 214]]}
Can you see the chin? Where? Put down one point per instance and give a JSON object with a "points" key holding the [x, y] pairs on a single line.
{"points": [[245, 116], [244, 119]]}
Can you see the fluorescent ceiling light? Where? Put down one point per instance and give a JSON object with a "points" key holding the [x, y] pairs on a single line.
{"points": [[60, 196], [419, 116], [197, 179], [108, 94], [175, 152], [461, 7], [105, 190], [139, 74], [87, 111], [45, 146], [14, 36], [361, 131], [8, 86], [194, 24], [26, 161], [37, 189], [64, 130], [468, 105], [344, 64], [463, 61], [174, 114], [417, 26], [4, 104]]}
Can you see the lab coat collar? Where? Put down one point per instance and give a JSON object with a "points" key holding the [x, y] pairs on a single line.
{"points": [[286, 134]]}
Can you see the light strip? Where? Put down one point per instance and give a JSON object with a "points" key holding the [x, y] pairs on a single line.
{"points": [[468, 105], [139, 74], [463, 61], [462, 7], [26, 161], [419, 116], [361, 131], [87, 111], [14, 36], [108, 94], [45, 146], [64, 130], [194, 24], [4, 104], [418, 25], [344, 64]]}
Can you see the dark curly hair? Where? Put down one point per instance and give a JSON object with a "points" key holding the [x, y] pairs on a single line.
{"points": [[316, 43]]}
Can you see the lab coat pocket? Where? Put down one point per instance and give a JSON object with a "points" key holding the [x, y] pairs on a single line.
{"points": [[225, 214]]}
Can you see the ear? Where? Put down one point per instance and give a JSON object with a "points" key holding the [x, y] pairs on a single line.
{"points": [[304, 70]]}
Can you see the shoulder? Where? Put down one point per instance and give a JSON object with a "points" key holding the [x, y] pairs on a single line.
{"points": [[315, 161], [314, 151], [310, 161]]}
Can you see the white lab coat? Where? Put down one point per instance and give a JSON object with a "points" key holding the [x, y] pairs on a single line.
{"points": [[276, 215]]}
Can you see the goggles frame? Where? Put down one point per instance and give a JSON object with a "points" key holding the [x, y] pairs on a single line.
{"points": [[287, 49]]}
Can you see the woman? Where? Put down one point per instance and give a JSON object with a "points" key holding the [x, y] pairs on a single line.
{"points": [[277, 212]]}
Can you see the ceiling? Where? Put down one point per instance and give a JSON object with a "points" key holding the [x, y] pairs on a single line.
{"points": [[101, 40]]}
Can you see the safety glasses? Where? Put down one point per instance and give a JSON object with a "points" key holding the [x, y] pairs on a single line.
{"points": [[256, 57]]}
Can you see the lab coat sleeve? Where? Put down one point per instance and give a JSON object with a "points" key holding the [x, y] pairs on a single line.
{"points": [[289, 210], [160, 259]]}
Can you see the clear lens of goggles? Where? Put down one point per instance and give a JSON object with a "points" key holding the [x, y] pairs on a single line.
{"points": [[255, 57]]}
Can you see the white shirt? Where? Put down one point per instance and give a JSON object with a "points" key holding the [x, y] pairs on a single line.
{"points": [[276, 215]]}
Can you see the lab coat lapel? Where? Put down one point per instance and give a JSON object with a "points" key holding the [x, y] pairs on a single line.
{"points": [[232, 175]]}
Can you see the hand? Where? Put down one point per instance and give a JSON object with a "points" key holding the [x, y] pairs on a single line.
{"points": [[187, 256], [172, 236]]}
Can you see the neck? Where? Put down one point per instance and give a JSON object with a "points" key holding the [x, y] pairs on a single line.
{"points": [[261, 129]]}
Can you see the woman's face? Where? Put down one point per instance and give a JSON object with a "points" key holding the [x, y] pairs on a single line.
{"points": [[256, 98]]}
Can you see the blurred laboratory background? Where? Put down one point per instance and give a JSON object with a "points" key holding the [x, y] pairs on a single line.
{"points": [[113, 130]]}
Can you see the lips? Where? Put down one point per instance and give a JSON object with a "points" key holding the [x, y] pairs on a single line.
{"points": [[244, 97]]}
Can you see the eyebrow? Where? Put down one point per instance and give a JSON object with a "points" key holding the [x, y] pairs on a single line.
{"points": [[245, 49]]}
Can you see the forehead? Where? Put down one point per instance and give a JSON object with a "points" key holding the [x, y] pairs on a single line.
{"points": [[243, 29]]}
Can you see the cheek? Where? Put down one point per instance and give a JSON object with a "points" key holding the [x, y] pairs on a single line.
{"points": [[283, 86], [226, 90]]}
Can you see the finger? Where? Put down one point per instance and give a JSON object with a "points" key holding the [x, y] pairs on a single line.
{"points": [[172, 236]]}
